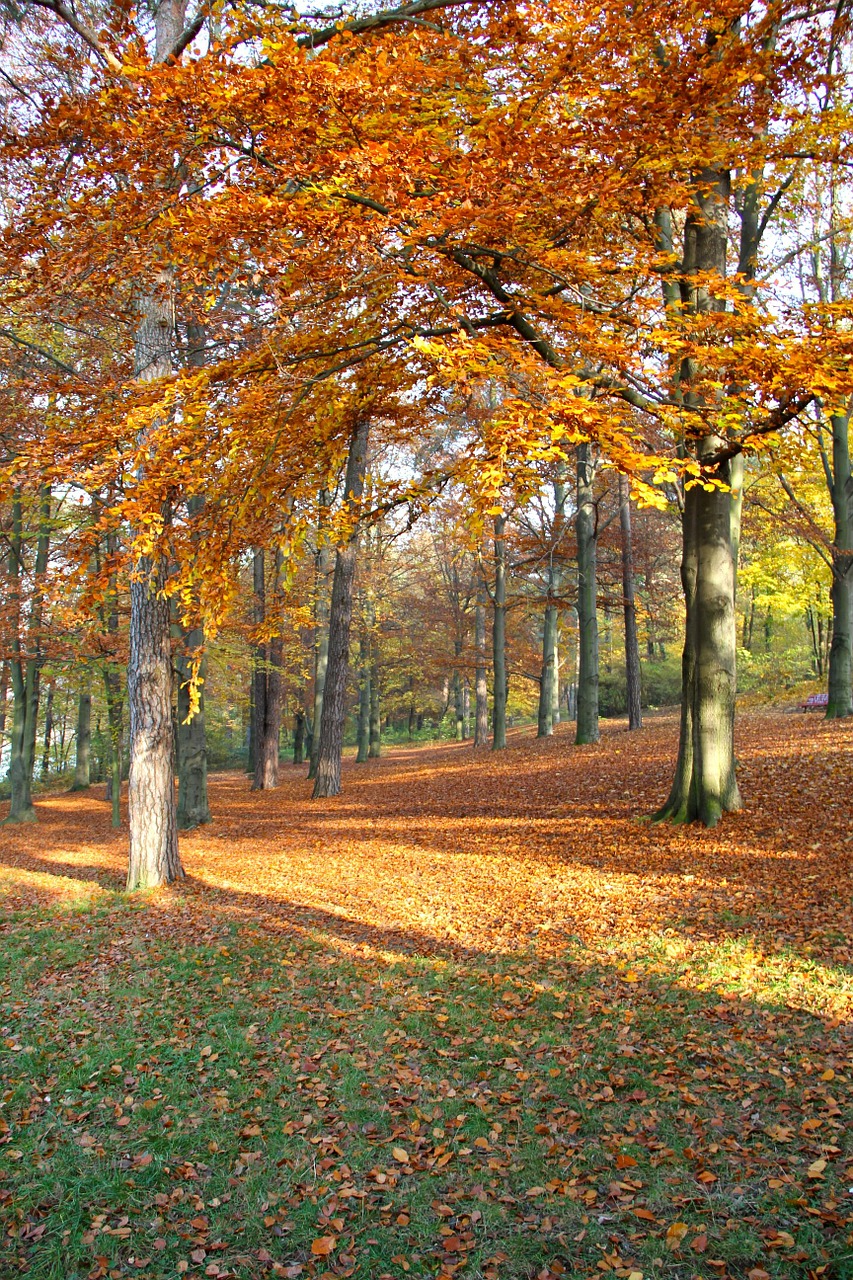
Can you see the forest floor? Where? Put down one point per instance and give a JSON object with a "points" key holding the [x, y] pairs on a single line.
{"points": [[472, 1018]]}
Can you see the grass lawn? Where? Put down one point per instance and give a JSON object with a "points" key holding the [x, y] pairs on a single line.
{"points": [[470, 1019]]}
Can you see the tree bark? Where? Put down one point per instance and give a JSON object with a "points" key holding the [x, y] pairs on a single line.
{"points": [[154, 858], [26, 661], [266, 684], [299, 738], [48, 730], [375, 750], [83, 743], [499, 694], [323, 563], [587, 722], [481, 688], [545, 718], [632, 646], [328, 777], [363, 735], [841, 650]]}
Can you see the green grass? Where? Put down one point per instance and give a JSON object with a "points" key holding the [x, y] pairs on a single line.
{"points": [[211, 1105]]}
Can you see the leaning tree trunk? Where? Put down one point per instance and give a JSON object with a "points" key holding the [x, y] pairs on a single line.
{"points": [[841, 650], [587, 721], [83, 743], [481, 688], [499, 638], [327, 781], [26, 665], [632, 646]]}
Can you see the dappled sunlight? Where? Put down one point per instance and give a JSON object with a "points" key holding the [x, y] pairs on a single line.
{"points": [[444, 850]]}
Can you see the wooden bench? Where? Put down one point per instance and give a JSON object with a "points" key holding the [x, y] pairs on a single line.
{"points": [[815, 702]]}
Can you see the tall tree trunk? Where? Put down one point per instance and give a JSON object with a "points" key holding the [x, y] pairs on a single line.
{"points": [[587, 724], [48, 730], [299, 737], [458, 695], [154, 858], [705, 784], [193, 807], [545, 719], [375, 750], [555, 704], [323, 564], [26, 660], [632, 646], [328, 777], [481, 688], [83, 742], [266, 683], [841, 651], [499, 638], [363, 735]]}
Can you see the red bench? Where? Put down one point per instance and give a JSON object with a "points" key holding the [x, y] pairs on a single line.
{"points": [[815, 702]]}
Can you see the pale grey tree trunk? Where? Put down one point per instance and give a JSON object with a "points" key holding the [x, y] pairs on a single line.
{"points": [[632, 646], [363, 735], [375, 750], [545, 719], [499, 694], [323, 566], [154, 859], [327, 781], [83, 742], [481, 688], [48, 729], [705, 784], [458, 693], [26, 659], [266, 684], [587, 606]]}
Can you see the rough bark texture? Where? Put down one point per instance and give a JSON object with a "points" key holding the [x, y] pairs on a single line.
{"points": [[632, 647], [154, 858], [587, 722], [481, 688], [328, 777], [83, 743], [841, 650], [499, 639]]}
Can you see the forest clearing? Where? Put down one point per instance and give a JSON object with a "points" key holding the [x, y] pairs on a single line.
{"points": [[470, 1018]]}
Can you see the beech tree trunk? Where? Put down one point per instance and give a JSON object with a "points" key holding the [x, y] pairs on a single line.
{"points": [[83, 743], [299, 738], [363, 735], [458, 694], [481, 688], [632, 646], [499, 695], [323, 562], [587, 714], [375, 750], [26, 660], [154, 858], [841, 650], [48, 730], [705, 783], [193, 807], [331, 739], [266, 685], [545, 725]]}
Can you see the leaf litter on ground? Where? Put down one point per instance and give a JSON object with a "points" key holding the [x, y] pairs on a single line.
{"points": [[471, 1018]]}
